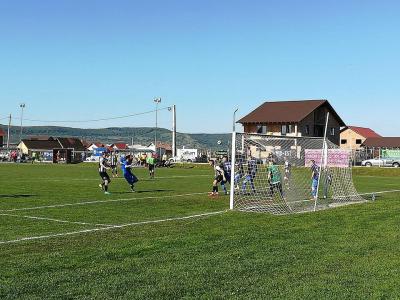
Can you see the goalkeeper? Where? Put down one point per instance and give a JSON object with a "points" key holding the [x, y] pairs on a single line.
{"points": [[274, 179], [251, 174]]}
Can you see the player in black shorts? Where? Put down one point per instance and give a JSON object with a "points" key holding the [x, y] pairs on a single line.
{"points": [[114, 163], [219, 176], [103, 166]]}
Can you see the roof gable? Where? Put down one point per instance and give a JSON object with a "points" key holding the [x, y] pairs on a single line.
{"points": [[73, 143], [286, 112], [363, 131], [41, 144]]}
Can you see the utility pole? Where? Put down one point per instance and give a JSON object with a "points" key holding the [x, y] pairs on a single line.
{"points": [[8, 132], [157, 101]]}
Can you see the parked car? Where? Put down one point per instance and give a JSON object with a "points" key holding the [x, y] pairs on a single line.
{"points": [[384, 162]]}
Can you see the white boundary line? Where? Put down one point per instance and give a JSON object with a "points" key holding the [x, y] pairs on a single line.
{"points": [[99, 201], [53, 220], [112, 178], [42, 237]]}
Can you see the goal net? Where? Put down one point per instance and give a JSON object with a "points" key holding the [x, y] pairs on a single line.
{"points": [[282, 174]]}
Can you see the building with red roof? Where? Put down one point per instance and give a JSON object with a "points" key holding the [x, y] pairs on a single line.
{"points": [[2, 135], [294, 118]]}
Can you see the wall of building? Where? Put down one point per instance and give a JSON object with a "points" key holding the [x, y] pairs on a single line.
{"points": [[351, 138]]}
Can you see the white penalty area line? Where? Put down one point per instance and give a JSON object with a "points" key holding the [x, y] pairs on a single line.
{"points": [[42, 237], [52, 220], [99, 201]]}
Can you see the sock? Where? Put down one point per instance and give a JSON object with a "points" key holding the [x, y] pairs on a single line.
{"points": [[224, 188]]}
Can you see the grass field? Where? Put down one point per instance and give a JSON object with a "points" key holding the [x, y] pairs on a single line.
{"points": [[61, 238]]}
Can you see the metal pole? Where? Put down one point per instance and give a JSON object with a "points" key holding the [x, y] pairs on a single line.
{"points": [[324, 146], [233, 162], [22, 105], [157, 101], [234, 120], [155, 138], [8, 132]]}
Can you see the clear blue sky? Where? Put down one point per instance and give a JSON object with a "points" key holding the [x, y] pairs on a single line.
{"points": [[74, 59]]}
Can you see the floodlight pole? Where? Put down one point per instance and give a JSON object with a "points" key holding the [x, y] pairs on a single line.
{"points": [[157, 101], [324, 148], [22, 105], [234, 120]]}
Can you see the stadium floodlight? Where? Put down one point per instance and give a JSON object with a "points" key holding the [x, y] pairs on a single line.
{"points": [[157, 101], [272, 174], [22, 106]]}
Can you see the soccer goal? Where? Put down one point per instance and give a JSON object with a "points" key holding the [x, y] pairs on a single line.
{"points": [[283, 174]]}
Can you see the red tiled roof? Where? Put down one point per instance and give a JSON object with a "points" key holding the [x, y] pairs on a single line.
{"points": [[121, 146], [365, 132], [286, 112], [382, 142], [165, 146]]}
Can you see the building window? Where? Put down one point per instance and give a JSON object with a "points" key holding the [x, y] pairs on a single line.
{"points": [[343, 142], [285, 129], [358, 141], [332, 131], [262, 129], [307, 129]]}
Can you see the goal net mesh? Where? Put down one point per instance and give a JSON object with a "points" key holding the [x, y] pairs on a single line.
{"points": [[276, 174]]}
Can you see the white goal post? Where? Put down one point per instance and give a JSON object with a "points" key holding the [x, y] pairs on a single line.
{"points": [[276, 174]]}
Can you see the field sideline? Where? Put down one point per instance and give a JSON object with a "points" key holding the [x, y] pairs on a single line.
{"points": [[60, 237]]}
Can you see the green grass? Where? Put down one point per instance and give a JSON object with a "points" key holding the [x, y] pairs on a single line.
{"points": [[344, 253]]}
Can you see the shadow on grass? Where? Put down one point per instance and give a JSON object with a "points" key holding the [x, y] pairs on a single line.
{"points": [[17, 196]]}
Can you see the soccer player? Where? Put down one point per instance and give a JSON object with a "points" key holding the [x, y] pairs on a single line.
{"points": [[151, 162], [314, 178], [103, 166], [227, 168], [114, 163], [328, 182], [126, 166], [239, 174], [274, 179], [251, 174], [219, 176], [288, 172]]}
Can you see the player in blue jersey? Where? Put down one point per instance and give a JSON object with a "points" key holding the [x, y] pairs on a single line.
{"points": [[250, 175], [126, 166]]}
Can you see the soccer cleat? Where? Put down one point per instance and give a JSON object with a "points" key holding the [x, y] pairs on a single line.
{"points": [[107, 193]]}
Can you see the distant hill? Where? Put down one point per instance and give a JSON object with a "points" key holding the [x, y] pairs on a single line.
{"points": [[140, 135]]}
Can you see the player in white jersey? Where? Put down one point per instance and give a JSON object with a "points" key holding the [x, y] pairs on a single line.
{"points": [[219, 176], [103, 166]]}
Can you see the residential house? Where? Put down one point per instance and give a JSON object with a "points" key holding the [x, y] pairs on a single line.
{"points": [[352, 137], [294, 118], [2, 135]]}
